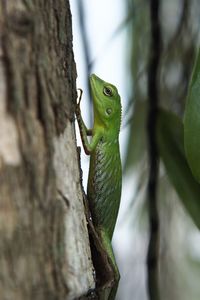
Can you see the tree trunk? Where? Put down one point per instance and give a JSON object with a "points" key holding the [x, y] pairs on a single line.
{"points": [[44, 246]]}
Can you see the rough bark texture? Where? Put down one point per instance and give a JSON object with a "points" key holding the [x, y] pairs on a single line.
{"points": [[44, 248]]}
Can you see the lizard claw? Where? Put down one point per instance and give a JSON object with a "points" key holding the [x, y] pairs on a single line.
{"points": [[79, 96], [77, 109]]}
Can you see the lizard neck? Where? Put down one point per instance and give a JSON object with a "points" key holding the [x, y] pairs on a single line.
{"points": [[109, 128]]}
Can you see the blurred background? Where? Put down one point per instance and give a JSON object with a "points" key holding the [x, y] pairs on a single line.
{"points": [[111, 39]]}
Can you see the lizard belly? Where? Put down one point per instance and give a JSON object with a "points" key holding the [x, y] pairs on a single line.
{"points": [[104, 185]]}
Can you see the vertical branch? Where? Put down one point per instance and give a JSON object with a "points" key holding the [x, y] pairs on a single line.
{"points": [[153, 249], [38, 157]]}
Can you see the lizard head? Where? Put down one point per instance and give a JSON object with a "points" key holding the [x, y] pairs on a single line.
{"points": [[106, 102]]}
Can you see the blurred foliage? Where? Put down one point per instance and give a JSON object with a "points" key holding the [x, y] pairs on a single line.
{"points": [[137, 142], [192, 122], [171, 149], [180, 36], [138, 52]]}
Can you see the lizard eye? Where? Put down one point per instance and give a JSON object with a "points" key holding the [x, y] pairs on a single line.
{"points": [[109, 111], [107, 91]]}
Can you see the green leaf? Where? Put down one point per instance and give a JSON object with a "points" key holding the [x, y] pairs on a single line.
{"points": [[171, 149], [192, 122]]}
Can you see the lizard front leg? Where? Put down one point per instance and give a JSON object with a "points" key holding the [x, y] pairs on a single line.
{"points": [[84, 132]]}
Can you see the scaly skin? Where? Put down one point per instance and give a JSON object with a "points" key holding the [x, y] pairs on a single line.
{"points": [[105, 174]]}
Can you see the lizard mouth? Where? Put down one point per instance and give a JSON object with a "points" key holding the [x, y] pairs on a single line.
{"points": [[95, 85], [93, 79], [92, 82]]}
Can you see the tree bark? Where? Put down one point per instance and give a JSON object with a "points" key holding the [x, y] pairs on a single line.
{"points": [[44, 245]]}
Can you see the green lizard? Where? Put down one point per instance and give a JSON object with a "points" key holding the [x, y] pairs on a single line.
{"points": [[105, 173]]}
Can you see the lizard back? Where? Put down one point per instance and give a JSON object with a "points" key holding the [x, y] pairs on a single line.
{"points": [[104, 184]]}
